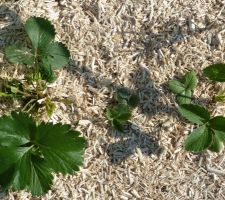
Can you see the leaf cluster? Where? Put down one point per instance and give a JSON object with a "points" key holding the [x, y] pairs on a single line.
{"points": [[210, 133], [43, 54], [31, 152], [122, 112]]}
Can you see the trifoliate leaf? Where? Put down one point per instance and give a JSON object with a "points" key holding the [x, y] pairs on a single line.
{"points": [[29, 153], [217, 124], [125, 96], [216, 144], [176, 86], [19, 55], [199, 140], [215, 72], [190, 80], [194, 113], [40, 31], [184, 97], [57, 55]]}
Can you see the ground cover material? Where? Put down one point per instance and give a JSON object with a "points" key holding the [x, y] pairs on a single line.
{"points": [[140, 45]]}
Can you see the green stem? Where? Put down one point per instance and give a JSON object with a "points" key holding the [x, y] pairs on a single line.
{"points": [[27, 104]]}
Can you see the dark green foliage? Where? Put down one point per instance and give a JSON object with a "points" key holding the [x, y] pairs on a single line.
{"points": [[124, 95], [45, 55], [122, 112], [215, 72], [210, 133], [29, 153]]}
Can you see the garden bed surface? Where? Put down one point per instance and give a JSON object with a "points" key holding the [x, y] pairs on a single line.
{"points": [[140, 45]]}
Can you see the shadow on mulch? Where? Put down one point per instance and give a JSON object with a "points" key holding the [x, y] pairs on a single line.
{"points": [[11, 32], [150, 102], [129, 141], [132, 138]]}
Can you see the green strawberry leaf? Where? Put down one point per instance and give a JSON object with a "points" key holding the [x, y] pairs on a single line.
{"points": [[194, 113], [19, 55], [32, 173], [117, 125], [216, 144], [111, 113], [176, 87], [14, 131], [29, 153], [199, 140], [120, 112], [133, 101], [122, 94], [57, 55], [40, 31], [9, 157], [190, 80], [217, 124], [184, 97], [46, 71], [215, 72], [123, 116], [57, 147]]}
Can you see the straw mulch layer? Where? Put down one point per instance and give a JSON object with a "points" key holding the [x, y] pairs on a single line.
{"points": [[139, 44]]}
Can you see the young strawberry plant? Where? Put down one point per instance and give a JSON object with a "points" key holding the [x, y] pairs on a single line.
{"points": [[31, 152], [210, 131], [40, 57], [122, 112], [184, 88]]}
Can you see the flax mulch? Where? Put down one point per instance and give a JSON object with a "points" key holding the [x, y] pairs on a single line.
{"points": [[140, 45]]}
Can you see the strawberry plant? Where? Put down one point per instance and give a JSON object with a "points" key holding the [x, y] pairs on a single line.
{"points": [[184, 88], [122, 112], [40, 57], [30, 152], [210, 131]]}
